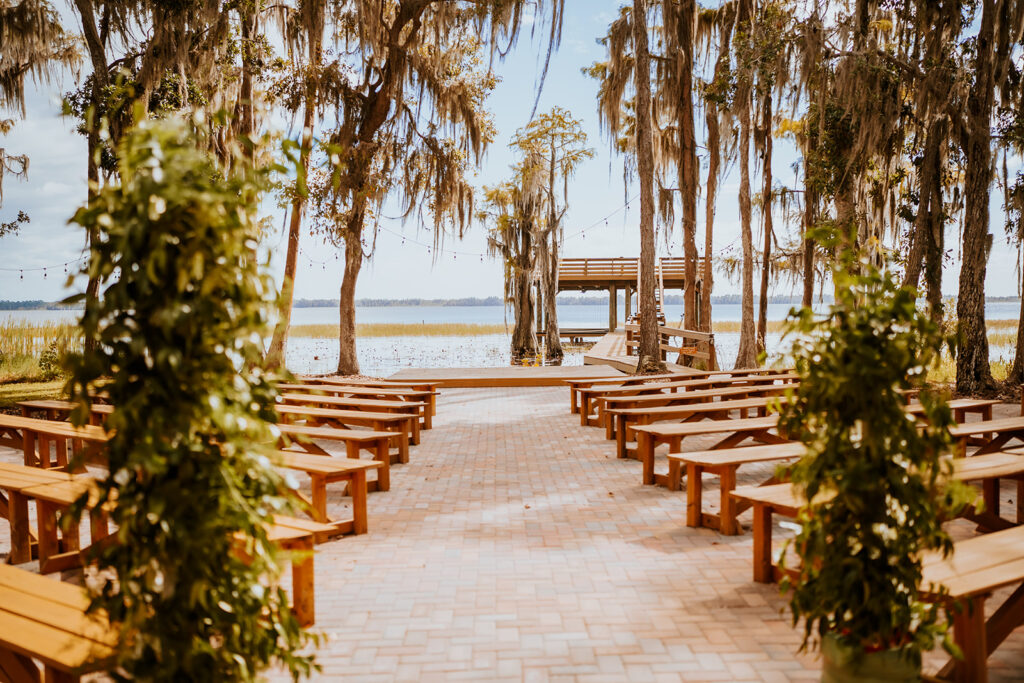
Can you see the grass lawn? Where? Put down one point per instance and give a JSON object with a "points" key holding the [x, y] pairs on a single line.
{"points": [[13, 392]]}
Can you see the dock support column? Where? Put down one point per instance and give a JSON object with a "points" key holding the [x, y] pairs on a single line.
{"points": [[628, 302], [613, 314]]}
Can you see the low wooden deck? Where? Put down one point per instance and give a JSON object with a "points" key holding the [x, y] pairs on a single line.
{"points": [[510, 376], [610, 351]]}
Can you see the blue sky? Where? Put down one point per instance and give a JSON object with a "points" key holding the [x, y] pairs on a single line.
{"points": [[56, 187]]}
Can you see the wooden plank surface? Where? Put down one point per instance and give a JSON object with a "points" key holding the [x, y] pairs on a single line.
{"points": [[508, 376]]}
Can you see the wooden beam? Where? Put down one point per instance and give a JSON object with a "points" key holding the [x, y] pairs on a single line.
{"points": [[613, 315]]}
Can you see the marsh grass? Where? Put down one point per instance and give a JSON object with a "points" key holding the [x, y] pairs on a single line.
{"points": [[401, 330], [31, 351]]}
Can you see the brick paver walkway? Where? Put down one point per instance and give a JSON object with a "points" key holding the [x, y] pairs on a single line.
{"points": [[515, 546]]}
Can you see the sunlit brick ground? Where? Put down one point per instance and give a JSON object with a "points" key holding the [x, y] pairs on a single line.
{"points": [[515, 546]]}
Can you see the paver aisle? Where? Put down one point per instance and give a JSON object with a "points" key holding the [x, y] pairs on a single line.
{"points": [[514, 545]]}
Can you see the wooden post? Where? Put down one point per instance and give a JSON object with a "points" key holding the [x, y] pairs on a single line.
{"points": [[540, 310], [613, 314], [629, 306]]}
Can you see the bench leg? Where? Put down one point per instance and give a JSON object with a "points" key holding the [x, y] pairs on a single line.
{"points": [[414, 430], [762, 544], [645, 453], [16, 667], [303, 592], [728, 525], [383, 455], [357, 489], [318, 486], [675, 475], [620, 437], [969, 634], [694, 494], [49, 545], [574, 408], [21, 537], [990, 494], [28, 445]]}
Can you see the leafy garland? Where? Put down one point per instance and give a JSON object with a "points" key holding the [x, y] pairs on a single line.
{"points": [[192, 577]]}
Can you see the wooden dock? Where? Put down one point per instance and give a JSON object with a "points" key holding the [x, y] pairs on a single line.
{"points": [[610, 351], [509, 376]]}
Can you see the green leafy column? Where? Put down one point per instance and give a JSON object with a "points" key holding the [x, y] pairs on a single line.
{"points": [[179, 327]]}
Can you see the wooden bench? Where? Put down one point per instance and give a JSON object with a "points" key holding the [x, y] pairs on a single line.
{"points": [[14, 479], [377, 443], [725, 464], [736, 431], [421, 399], [299, 536], [576, 384], [978, 567], [611, 407], [34, 437], [414, 385], [405, 427], [784, 500], [627, 418], [46, 633], [53, 499], [989, 435], [590, 397], [372, 405], [323, 471]]}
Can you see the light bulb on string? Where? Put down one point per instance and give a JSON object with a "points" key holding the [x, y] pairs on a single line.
{"points": [[21, 274], [44, 273]]}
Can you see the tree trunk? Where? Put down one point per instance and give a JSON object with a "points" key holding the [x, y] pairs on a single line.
{"points": [[714, 161], [553, 340], [92, 287], [649, 350], [714, 145], [348, 361], [524, 337], [746, 357], [931, 219], [973, 374], [688, 163], [276, 354], [1016, 375], [766, 213]]}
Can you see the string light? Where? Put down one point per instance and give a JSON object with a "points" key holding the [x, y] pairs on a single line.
{"points": [[22, 270]]}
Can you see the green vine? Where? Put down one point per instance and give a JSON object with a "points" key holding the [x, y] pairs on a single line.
{"points": [[878, 484], [178, 325]]}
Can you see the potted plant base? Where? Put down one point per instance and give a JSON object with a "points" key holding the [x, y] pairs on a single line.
{"points": [[844, 663]]}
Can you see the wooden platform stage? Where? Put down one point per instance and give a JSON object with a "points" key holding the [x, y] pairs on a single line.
{"points": [[511, 376]]}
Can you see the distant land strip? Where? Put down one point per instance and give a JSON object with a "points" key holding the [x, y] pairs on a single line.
{"points": [[674, 299]]}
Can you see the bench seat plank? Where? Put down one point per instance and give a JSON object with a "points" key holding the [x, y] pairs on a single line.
{"points": [[45, 620]]}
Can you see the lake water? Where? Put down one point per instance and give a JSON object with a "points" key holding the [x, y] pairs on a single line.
{"points": [[382, 356]]}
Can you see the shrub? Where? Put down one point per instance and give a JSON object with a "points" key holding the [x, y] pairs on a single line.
{"points": [[881, 483], [178, 327]]}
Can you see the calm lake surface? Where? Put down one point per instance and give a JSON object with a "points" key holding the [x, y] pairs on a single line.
{"points": [[382, 356]]}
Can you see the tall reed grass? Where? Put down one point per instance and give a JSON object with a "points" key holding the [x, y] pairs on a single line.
{"points": [[402, 330]]}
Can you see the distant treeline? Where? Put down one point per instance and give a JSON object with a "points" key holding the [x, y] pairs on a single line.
{"points": [[591, 300], [36, 305]]}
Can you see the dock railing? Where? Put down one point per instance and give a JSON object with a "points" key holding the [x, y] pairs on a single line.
{"points": [[696, 347]]}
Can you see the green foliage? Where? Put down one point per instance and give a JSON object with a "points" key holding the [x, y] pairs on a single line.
{"points": [[878, 484], [50, 362], [178, 327]]}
